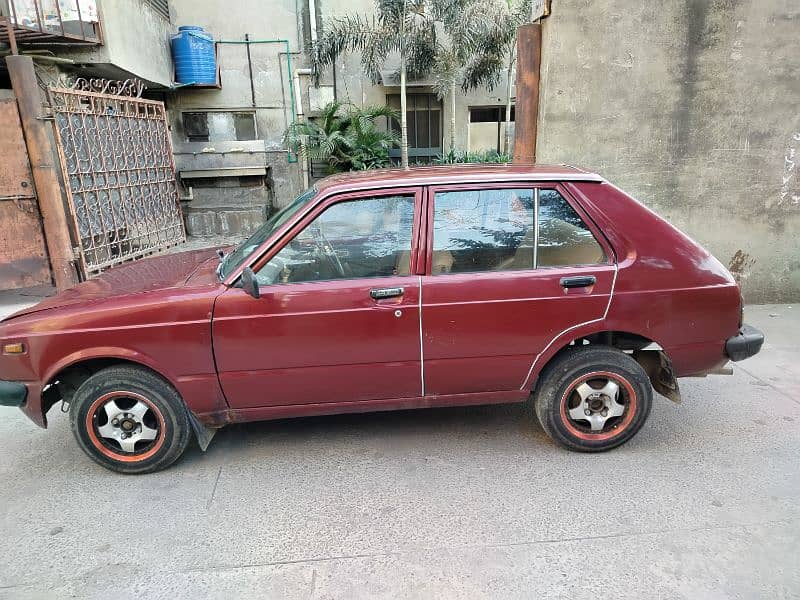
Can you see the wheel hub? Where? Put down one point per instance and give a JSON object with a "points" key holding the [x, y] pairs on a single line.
{"points": [[125, 427], [597, 404]]}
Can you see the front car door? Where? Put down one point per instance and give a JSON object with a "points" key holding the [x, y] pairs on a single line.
{"points": [[509, 268], [338, 317]]}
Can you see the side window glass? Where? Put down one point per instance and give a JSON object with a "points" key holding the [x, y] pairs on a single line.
{"points": [[564, 239], [483, 230], [370, 237]]}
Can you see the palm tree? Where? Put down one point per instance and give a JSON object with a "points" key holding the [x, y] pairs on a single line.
{"points": [[344, 136], [399, 26], [477, 35]]}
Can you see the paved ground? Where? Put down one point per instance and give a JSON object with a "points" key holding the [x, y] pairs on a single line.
{"points": [[455, 503]]}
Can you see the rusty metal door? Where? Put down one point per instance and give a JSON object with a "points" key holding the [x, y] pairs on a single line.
{"points": [[23, 257], [116, 157]]}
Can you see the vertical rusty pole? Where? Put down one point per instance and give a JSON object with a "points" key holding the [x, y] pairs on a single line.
{"points": [[529, 59], [42, 153], [12, 38]]}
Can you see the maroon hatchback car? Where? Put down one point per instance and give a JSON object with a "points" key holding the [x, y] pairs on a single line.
{"points": [[388, 290]]}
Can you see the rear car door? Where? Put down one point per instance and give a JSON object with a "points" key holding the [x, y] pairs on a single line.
{"points": [[338, 316], [509, 267]]}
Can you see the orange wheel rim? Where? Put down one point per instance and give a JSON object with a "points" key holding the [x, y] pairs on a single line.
{"points": [[118, 422], [598, 406]]}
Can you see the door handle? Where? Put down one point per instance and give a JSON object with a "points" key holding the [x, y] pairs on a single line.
{"points": [[578, 281], [381, 293]]}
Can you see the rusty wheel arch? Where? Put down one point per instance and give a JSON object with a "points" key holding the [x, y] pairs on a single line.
{"points": [[647, 352], [63, 385]]}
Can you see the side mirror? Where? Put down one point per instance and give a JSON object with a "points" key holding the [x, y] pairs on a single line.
{"points": [[250, 283]]}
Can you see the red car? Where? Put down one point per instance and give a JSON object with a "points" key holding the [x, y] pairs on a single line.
{"points": [[388, 290]]}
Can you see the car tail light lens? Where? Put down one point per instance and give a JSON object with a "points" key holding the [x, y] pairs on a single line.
{"points": [[741, 311]]}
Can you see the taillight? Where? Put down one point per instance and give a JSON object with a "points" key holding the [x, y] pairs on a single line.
{"points": [[741, 311]]}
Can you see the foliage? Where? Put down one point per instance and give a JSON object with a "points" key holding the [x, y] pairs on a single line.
{"points": [[463, 43], [344, 136], [486, 156], [398, 26], [478, 35]]}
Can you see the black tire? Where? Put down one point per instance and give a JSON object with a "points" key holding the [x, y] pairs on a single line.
{"points": [[137, 389], [556, 394]]}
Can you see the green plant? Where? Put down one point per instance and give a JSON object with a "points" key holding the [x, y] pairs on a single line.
{"points": [[344, 136], [485, 156]]}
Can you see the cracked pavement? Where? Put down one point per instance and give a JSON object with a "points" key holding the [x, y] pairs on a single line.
{"points": [[448, 503]]}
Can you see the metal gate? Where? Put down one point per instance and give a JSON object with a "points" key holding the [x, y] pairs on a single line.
{"points": [[117, 163]]}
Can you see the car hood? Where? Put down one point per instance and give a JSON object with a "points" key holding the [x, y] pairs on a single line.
{"points": [[146, 275]]}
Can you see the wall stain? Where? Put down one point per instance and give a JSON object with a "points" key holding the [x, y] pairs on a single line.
{"points": [[740, 265], [695, 42]]}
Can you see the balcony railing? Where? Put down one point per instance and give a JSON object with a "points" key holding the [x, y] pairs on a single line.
{"points": [[43, 22]]}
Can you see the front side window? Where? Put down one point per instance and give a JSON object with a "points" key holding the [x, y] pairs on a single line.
{"points": [[363, 238], [244, 250], [495, 230]]}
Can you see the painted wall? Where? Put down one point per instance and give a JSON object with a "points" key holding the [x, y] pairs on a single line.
{"points": [[135, 40], [693, 107]]}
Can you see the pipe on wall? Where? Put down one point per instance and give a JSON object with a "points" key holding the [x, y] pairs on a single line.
{"points": [[312, 17], [290, 157], [301, 115]]}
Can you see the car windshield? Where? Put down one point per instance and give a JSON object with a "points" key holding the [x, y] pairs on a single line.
{"points": [[234, 259]]}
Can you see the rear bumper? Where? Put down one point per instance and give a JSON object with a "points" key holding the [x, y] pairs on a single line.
{"points": [[12, 393], [744, 345]]}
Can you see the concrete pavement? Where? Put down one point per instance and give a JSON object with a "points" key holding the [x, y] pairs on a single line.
{"points": [[446, 503]]}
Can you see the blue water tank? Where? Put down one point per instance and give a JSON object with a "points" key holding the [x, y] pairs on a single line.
{"points": [[194, 56]]}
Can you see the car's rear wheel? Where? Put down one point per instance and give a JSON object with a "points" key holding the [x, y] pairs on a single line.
{"points": [[129, 420], [593, 398]]}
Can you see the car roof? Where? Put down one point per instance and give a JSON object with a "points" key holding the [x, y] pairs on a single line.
{"points": [[462, 173]]}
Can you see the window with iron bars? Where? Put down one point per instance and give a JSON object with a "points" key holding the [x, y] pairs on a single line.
{"points": [[161, 7]]}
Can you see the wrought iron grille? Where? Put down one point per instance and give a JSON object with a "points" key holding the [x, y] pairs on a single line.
{"points": [[116, 158]]}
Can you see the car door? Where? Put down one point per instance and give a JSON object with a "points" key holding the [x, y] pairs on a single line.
{"points": [[509, 267], [338, 316]]}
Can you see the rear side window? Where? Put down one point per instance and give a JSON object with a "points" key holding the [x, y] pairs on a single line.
{"points": [[564, 239], [496, 230], [483, 230]]}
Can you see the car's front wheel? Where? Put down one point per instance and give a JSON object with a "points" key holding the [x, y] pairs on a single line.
{"points": [[593, 398], [129, 420]]}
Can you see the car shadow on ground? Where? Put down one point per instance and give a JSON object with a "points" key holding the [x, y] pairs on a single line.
{"points": [[387, 428]]}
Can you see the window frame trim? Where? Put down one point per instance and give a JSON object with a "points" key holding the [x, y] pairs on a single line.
{"points": [[430, 193]]}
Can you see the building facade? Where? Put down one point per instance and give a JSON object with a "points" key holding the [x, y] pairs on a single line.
{"points": [[690, 106]]}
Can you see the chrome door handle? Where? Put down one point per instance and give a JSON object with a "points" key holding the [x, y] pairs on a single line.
{"points": [[381, 293]]}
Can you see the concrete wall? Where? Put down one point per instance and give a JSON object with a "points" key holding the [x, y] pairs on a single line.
{"points": [[692, 107], [135, 40]]}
